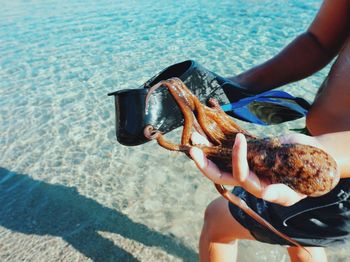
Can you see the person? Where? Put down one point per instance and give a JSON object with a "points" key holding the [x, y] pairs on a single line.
{"points": [[315, 222]]}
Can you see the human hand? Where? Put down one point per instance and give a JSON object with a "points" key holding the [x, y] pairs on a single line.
{"points": [[242, 176]]}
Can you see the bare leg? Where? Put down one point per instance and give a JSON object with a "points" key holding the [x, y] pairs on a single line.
{"points": [[218, 241], [221, 232], [330, 111], [297, 254]]}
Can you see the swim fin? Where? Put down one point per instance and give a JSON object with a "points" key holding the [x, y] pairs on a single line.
{"points": [[163, 113], [268, 108]]}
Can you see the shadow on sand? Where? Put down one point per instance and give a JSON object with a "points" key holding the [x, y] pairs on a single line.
{"points": [[35, 207]]}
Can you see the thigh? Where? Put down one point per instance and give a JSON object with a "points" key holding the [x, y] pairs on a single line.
{"points": [[329, 112], [220, 224]]}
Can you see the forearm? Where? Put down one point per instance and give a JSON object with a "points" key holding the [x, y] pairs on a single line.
{"points": [[301, 58], [338, 145]]}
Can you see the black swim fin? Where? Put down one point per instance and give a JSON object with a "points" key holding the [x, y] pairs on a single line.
{"points": [[268, 108], [163, 113]]}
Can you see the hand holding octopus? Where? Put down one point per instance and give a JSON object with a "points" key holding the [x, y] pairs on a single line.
{"points": [[283, 170], [241, 174]]}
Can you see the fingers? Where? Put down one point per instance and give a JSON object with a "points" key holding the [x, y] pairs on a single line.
{"points": [[240, 169], [239, 158], [276, 193], [210, 170], [241, 175], [281, 194]]}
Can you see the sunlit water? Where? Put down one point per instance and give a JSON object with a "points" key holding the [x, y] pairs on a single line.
{"points": [[68, 190]]}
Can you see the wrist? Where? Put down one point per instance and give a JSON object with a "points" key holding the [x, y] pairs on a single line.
{"points": [[245, 79], [253, 80]]}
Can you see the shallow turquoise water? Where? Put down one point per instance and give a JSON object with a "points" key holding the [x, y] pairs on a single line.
{"points": [[66, 186]]}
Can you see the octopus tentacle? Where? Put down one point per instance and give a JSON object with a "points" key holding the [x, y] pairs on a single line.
{"points": [[198, 128], [243, 205], [285, 163], [187, 113], [151, 90], [151, 133], [227, 124], [210, 127], [184, 106]]}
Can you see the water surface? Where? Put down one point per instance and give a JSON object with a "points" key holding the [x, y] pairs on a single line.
{"points": [[68, 190]]}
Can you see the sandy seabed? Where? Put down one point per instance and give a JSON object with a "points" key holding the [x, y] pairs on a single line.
{"points": [[150, 212], [68, 190]]}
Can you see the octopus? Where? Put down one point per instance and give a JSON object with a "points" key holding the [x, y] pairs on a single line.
{"points": [[306, 169]]}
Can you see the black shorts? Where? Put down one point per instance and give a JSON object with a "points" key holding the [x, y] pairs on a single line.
{"points": [[313, 221]]}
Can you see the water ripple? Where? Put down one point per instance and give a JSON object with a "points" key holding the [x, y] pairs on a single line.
{"points": [[58, 61]]}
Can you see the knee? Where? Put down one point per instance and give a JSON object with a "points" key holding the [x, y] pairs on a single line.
{"points": [[209, 221], [212, 226], [297, 255]]}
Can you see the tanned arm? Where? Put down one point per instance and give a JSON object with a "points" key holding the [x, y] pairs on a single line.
{"points": [[307, 54]]}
